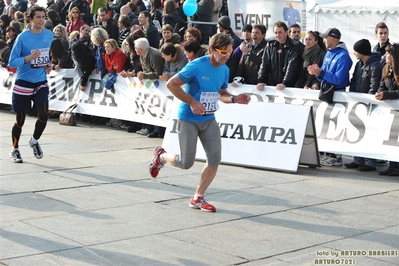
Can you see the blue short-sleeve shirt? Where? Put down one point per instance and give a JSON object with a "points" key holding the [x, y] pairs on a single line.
{"points": [[200, 76]]}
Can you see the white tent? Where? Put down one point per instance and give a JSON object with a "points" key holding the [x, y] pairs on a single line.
{"points": [[356, 19]]}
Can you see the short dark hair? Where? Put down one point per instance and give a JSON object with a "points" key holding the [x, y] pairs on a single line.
{"points": [[191, 46], [35, 9], [381, 25], [146, 14], [260, 27], [167, 27], [295, 25], [125, 20], [168, 49], [280, 24], [103, 9]]}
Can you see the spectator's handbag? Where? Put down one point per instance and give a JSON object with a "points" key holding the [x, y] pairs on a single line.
{"points": [[108, 80], [326, 93], [68, 117]]}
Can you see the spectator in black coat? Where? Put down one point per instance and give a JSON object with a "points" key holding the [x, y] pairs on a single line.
{"points": [[108, 24]]}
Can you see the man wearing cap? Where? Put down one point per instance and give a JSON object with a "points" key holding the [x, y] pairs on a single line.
{"points": [[366, 79], [281, 60], [335, 70], [246, 34], [336, 63], [224, 25], [252, 57]]}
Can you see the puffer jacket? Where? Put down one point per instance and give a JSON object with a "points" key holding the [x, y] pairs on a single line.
{"points": [[366, 77]]}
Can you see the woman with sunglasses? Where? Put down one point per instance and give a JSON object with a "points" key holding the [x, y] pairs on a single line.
{"points": [[75, 21], [389, 90], [206, 82]]}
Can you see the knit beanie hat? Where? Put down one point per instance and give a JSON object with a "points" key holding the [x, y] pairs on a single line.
{"points": [[363, 47], [224, 22]]}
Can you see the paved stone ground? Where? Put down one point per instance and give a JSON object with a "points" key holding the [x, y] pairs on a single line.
{"points": [[91, 201]]}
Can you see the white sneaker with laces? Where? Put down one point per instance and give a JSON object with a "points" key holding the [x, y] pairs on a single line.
{"points": [[37, 150], [15, 156]]}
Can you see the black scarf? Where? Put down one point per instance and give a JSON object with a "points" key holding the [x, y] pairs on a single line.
{"points": [[310, 55]]}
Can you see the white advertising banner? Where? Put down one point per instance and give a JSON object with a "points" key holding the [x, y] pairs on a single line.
{"points": [[253, 137], [355, 124], [266, 13]]}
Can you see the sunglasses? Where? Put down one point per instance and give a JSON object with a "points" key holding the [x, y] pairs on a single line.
{"points": [[223, 52], [75, 12]]}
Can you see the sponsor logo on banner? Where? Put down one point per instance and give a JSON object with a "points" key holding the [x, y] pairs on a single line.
{"points": [[355, 124]]}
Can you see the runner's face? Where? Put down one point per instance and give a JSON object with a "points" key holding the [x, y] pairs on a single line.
{"points": [[38, 20], [218, 57]]}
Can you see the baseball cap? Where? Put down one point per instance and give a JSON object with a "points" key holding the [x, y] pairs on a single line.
{"points": [[247, 28], [333, 32]]}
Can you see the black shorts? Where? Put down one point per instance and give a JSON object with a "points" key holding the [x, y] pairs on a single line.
{"points": [[25, 92]]}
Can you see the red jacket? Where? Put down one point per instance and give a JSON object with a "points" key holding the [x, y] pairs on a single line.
{"points": [[118, 59], [72, 27]]}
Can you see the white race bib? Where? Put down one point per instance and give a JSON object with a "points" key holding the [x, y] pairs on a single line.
{"points": [[210, 101], [42, 60]]}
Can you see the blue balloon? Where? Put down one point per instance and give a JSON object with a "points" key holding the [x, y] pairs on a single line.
{"points": [[190, 7]]}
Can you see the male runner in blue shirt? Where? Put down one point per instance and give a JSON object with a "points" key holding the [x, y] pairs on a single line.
{"points": [[30, 54], [206, 80]]}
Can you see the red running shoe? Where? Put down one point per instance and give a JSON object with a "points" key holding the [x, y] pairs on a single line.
{"points": [[202, 204], [156, 164]]}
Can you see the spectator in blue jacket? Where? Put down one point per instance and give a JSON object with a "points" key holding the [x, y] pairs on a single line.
{"points": [[335, 70], [336, 63]]}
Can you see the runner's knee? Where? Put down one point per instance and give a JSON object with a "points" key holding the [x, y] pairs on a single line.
{"points": [[184, 163], [43, 116], [214, 160], [20, 119]]}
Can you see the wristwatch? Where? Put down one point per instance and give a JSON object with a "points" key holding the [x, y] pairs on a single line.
{"points": [[233, 99]]}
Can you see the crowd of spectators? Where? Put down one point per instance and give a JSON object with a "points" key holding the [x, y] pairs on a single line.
{"points": [[155, 42]]}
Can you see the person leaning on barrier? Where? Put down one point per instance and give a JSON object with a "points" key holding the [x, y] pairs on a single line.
{"points": [[314, 53], [335, 70], [151, 32], [249, 64], [281, 60], [366, 79], [152, 63], [389, 90]]}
